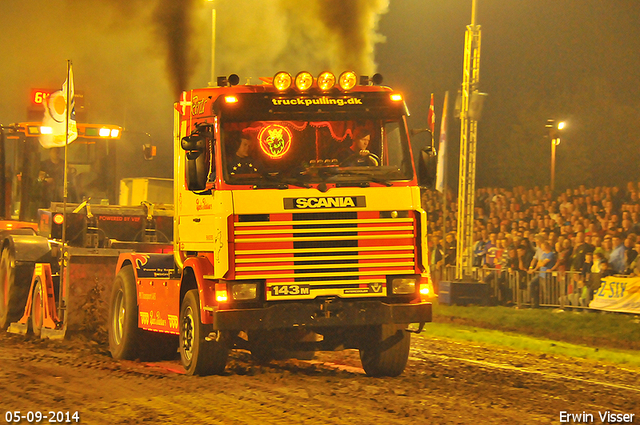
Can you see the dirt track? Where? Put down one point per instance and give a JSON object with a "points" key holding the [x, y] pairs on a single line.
{"points": [[445, 382]]}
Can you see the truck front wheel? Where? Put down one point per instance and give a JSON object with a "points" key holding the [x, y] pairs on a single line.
{"points": [[384, 350], [199, 356]]}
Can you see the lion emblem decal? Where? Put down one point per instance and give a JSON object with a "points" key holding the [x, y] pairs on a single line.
{"points": [[275, 140]]}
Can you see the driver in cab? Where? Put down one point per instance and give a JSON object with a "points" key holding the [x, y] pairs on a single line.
{"points": [[358, 153], [241, 162]]}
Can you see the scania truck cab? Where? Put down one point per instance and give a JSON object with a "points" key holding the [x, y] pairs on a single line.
{"points": [[298, 227]]}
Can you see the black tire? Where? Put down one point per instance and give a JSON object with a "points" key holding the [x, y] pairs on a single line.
{"points": [[199, 356], [14, 287], [385, 350], [124, 334], [126, 340], [37, 308]]}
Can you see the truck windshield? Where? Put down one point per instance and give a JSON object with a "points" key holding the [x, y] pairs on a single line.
{"points": [[265, 153]]}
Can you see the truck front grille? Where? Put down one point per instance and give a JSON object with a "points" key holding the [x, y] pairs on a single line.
{"points": [[305, 255]]}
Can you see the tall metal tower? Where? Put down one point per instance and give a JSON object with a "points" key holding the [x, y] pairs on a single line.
{"points": [[468, 140]]}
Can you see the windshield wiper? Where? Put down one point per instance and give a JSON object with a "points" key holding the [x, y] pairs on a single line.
{"points": [[353, 184], [359, 173], [270, 185], [284, 183], [295, 182]]}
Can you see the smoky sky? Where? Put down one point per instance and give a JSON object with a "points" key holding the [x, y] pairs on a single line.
{"points": [[132, 58]]}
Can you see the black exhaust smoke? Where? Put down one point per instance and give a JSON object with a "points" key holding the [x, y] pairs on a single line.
{"points": [[174, 27]]}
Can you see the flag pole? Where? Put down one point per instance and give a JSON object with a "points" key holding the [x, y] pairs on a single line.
{"points": [[444, 207], [63, 265], [443, 170]]}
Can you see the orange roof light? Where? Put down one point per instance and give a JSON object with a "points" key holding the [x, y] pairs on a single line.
{"points": [[304, 80], [396, 97], [282, 81], [347, 80], [326, 81]]}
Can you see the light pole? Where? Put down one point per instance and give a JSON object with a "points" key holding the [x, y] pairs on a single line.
{"points": [[469, 112], [213, 44], [554, 136]]}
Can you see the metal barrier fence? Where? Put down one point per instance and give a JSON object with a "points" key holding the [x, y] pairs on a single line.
{"points": [[546, 289]]}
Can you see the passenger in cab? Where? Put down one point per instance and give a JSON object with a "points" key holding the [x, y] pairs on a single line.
{"points": [[241, 162]]}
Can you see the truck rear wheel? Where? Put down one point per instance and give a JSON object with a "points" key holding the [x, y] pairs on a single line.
{"points": [[384, 350], [126, 340], [15, 282], [199, 356], [124, 334]]}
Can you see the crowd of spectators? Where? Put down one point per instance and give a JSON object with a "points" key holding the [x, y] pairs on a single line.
{"points": [[533, 231]]}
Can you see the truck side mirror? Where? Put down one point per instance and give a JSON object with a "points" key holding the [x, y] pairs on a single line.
{"points": [[427, 167], [197, 172], [198, 158], [193, 142]]}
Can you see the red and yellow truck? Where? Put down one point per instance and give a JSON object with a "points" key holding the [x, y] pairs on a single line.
{"points": [[291, 233]]}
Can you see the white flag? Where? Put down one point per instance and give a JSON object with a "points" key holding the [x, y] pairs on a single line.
{"points": [[54, 123], [442, 147]]}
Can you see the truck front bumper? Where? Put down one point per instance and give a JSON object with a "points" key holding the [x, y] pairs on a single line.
{"points": [[333, 313]]}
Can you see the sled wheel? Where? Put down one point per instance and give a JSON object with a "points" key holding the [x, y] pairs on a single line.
{"points": [[37, 308], [14, 288], [199, 356], [384, 350]]}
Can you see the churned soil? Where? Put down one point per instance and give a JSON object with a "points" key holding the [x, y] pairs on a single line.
{"points": [[445, 382]]}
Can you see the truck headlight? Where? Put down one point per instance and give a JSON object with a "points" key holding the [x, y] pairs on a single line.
{"points": [[244, 291], [403, 285]]}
